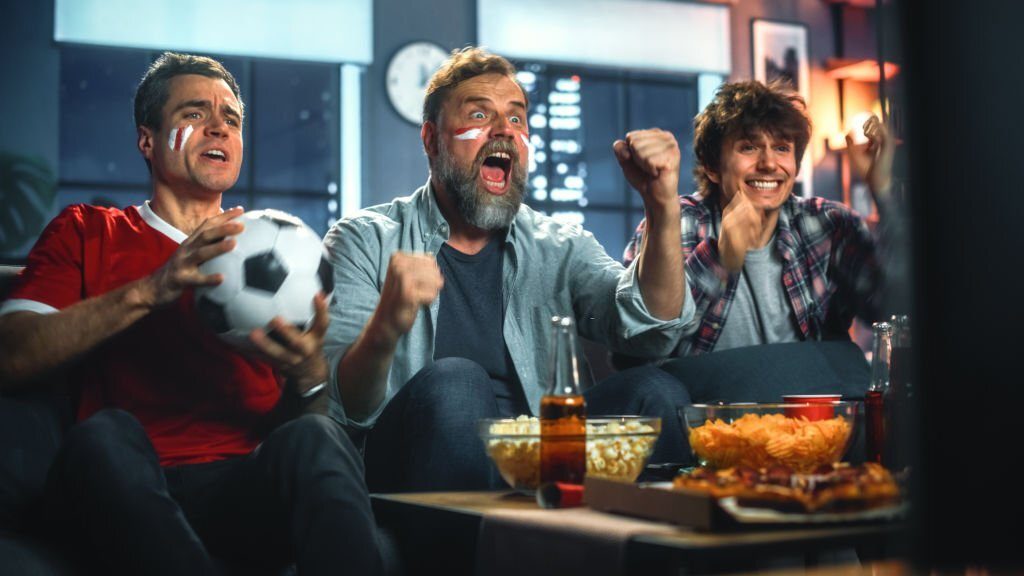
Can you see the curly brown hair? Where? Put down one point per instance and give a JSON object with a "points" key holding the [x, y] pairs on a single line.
{"points": [[742, 110], [463, 64]]}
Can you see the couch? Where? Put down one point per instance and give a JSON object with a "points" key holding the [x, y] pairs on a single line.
{"points": [[31, 426]]}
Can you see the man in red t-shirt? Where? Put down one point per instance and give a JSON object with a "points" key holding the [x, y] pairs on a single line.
{"points": [[184, 448]]}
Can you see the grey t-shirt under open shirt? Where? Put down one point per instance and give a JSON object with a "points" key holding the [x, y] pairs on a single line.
{"points": [[470, 318], [761, 312]]}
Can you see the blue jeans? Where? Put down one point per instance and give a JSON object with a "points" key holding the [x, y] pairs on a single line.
{"points": [[299, 497], [427, 437]]}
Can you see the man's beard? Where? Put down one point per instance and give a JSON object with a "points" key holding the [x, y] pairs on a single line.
{"points": [[477, 206]]}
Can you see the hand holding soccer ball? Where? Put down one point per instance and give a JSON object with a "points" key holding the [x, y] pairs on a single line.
{"points": [[276, 268], [214, 237]]}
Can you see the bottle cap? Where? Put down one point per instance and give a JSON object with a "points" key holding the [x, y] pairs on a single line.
{"points": [[559, 495]]}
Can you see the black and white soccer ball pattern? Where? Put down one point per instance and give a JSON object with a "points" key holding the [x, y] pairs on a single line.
{"points": [[275, 269]]}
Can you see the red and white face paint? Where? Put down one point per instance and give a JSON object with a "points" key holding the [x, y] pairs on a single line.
{"points": [[529, 149], [176, 141], [470, 133]]}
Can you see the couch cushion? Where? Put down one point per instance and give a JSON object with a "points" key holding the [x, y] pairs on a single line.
{"points": [[30, 434], [7, 276], [765, 373], [21, 556]]}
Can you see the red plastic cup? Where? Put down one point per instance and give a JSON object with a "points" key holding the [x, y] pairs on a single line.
{"points": [[811, 406]]}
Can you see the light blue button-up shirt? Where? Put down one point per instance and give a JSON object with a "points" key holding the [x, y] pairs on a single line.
{"points": [[549, 269]]}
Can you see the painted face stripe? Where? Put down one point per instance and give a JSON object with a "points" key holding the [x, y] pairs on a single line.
{"points": [[468, 133], [187, 131], [178, 137], [529, 147]]}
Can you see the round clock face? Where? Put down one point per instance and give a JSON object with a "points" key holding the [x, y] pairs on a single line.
{"points": [[408, 73]]}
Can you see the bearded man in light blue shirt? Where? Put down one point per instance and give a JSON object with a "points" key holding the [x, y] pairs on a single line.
{"points": [[445, 297]]}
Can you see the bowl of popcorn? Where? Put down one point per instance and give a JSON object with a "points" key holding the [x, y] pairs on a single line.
{"points": [[764, 435], [617, 447]]}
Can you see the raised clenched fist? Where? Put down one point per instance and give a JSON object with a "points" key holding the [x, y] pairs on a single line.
{"points": [[412, 281], [742, 228], [650, 162]]}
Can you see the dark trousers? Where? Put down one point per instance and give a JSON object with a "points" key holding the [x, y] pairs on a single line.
{"points": [[299, 497], [427, 438]]}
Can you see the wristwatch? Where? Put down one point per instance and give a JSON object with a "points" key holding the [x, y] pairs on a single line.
{"points": [[313, 390]]}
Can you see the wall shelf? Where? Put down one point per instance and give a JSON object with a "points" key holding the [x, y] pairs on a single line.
{"points": [[859, 70]]}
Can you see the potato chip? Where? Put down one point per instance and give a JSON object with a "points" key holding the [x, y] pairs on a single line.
{"points": [[759, 441]]}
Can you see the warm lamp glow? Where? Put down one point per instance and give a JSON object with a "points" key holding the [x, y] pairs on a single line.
{"points": [[854, 124]]}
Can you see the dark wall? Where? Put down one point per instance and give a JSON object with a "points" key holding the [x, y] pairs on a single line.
{"points": [[29, 78], [396, 164], [29, 142]]}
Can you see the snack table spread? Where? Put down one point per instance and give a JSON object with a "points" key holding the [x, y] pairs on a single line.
{"points": [[507, 533]]}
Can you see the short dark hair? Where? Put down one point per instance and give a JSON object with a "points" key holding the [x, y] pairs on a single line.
{"points": [[742, 109], [461, 65], [152, 93]]}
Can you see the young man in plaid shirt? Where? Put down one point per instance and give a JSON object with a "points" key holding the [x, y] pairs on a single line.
{"points": [[763, 265]]}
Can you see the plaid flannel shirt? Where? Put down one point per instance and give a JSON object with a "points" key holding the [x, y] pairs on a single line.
{"points": [[831, 268]]}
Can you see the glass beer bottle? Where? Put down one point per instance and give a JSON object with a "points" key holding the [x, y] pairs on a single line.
{"points": [[563, 419], [898, 397], [874, 412]]}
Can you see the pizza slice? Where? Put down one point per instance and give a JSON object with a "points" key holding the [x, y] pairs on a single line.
{"points": [[832, 488]]}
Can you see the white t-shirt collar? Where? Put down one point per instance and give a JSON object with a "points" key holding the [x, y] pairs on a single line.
{"points": [[159, 224]]}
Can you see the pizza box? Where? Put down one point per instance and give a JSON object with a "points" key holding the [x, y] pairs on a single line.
{"points": [[656, 501], [700, 511]]}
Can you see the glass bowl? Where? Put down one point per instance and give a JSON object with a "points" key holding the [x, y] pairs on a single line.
{"points": [[799, 436], [617, 447]]}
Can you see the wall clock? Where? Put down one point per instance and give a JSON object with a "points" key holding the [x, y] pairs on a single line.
{"points": [[407, 76]]}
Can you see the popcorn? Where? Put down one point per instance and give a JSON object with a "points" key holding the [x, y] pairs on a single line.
{"points": [[615, 450]]}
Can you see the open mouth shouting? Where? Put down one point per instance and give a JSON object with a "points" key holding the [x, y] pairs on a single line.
{"points": [[495, 171], [215, 155]]}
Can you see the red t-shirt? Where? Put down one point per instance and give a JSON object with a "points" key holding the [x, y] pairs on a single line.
{"points": [[198, 399]]}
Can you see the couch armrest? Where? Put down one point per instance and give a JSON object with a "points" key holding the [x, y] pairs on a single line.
{"points": [[31, 429]]}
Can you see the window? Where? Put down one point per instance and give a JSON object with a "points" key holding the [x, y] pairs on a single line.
{"points": [[294, 128], [575, 116]]}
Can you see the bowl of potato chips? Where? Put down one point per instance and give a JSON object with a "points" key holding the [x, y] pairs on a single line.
{"points": [[765, 435], [617, 447]]}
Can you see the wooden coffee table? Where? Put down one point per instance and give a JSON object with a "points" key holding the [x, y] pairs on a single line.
{"points": [[439, 533]]}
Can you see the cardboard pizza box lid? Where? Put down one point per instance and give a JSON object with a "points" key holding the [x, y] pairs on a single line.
{"points": [[656, 501]]}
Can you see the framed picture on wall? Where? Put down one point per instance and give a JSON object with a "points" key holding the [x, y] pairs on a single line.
{"points": [[780, 52]]}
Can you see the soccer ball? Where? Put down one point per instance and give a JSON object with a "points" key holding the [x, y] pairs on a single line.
{"points": [[275, 269]]}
